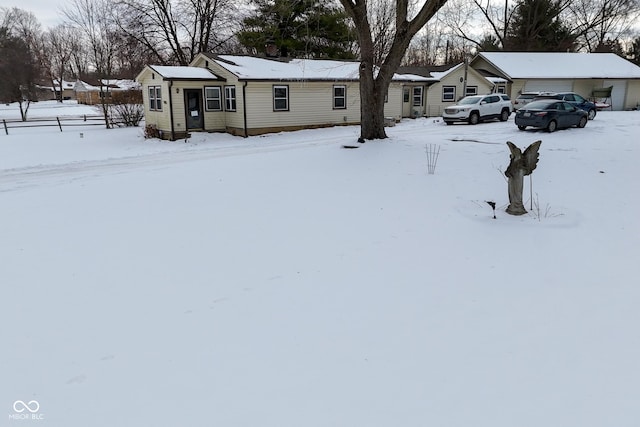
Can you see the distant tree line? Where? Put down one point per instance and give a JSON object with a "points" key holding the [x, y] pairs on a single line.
{"points": [[463, 27]]}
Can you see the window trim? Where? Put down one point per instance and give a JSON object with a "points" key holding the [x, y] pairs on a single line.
{"points": [[218, 98], [447, 95], [230, 101], [420, 96], [343, 97], [475, 91], [155, 98], [280, 98]]}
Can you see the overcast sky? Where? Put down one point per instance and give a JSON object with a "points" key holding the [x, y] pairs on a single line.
{"points": [[47, 11]]}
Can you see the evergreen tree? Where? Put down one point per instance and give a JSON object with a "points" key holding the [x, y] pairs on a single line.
{"points": [[536, 27], [299, 28]]}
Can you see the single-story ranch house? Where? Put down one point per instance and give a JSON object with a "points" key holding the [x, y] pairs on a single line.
{"points": [[245, 95], [447, 85], [583, 73]]}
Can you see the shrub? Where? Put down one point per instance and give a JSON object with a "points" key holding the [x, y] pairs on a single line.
{"points": [[126, 108]]}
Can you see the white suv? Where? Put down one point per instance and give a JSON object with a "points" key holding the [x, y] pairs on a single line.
{"points": [[473, 109]]}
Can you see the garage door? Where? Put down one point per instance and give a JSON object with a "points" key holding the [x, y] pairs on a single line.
{"points": [[548, 86]]}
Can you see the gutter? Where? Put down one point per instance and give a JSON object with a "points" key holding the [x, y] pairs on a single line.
{"points": [[244, 108], [173, 130]]}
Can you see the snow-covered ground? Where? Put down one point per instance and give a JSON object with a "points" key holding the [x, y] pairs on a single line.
{"points": [[285, 281]]}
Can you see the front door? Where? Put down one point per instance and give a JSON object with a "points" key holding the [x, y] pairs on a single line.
{"points": [[193, 108]]}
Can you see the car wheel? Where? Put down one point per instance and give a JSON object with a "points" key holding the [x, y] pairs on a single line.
{"points": [[552, 126], [592, 114], [583, 122], [504, 116], [474, 118], [522, 127]]}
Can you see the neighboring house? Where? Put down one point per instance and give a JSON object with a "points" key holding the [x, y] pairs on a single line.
{"points": [[245, 95], [93, 93], [446, 85], [453, 84], [582, 73], [46, 92], [414, 95]]}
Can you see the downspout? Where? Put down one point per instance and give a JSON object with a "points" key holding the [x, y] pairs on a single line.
{"points": [[173, 130], [244, 108]]}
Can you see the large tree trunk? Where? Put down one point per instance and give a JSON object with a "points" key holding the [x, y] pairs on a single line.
{"points": [[372, 97], [375, 76]]}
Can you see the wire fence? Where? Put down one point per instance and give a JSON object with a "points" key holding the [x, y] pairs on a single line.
{"points": [[59, 122]]}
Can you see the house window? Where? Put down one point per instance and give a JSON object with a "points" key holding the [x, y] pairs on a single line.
{"points": [[230, 98], [471, 90], [417, 96], [155, 98], [213, 98], [339, 97], [405, 94], [448, 93], [501, 89], [281, 98]]}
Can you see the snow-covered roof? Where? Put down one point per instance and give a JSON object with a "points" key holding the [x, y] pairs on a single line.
{"points": [[183, 72], [65, 84], [124, 84], [252, 68], [440, 74], [559, 65]]}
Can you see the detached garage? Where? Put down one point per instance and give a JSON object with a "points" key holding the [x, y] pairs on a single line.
{"points": [[584, 73]]}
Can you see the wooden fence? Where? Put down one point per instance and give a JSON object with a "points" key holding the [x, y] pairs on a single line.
{"points": [[59, 122]]}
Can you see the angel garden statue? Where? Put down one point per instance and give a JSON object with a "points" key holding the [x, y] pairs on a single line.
{"points": [[522, 164]]}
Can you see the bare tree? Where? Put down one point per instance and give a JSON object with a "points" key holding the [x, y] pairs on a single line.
{"points": [[437, 43], [59, 42], [379, 62], [93, 19], [20, 23], [596, 21], [176, 31]]}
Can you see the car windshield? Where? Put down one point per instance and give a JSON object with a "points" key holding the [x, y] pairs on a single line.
{"points": [[528, 96], [470, 100], [538, 105]]}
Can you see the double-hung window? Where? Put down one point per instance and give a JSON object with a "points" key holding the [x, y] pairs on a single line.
{"points": [[155, 98], [448, 93], [230, 98], [471, 90], [417, 96], [339, 97], [213, 98], [281, 98]]}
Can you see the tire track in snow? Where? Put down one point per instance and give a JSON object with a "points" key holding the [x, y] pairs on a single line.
{"points": [[56, 174]]}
